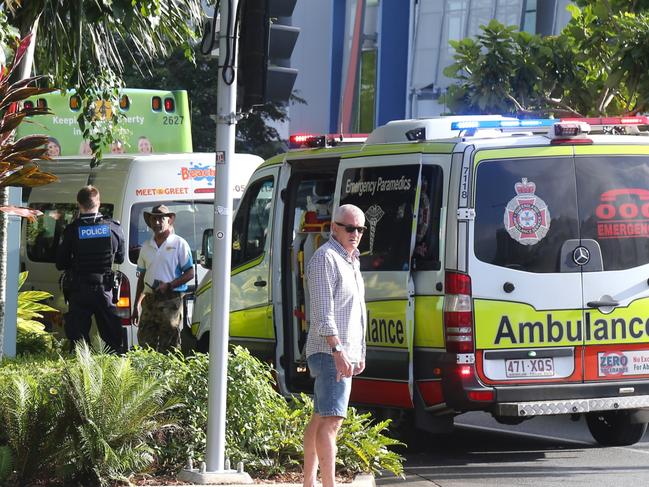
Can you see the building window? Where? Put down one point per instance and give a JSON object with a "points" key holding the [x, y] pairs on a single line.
{"points": [[529, 16], [367, 95]]}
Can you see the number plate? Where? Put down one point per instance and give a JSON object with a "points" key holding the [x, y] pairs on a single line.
{"points": [[529, 367]]}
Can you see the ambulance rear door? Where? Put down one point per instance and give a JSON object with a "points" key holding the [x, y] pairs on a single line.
{"points": [[527, 298], [387, 189], [613, 195]]}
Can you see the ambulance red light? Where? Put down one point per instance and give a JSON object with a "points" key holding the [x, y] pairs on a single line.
{"points": [[465, 370], [306, 141], [458, 313], [481, 395]]}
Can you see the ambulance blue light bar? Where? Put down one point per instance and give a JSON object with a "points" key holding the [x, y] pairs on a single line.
{"points": [[499, 124], [547, 122]]}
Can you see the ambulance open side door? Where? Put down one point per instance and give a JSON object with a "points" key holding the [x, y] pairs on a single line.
{"points": [[387, 189], [251, 307]]}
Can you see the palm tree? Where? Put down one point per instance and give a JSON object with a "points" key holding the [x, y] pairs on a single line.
{"points": [[76, 42]]}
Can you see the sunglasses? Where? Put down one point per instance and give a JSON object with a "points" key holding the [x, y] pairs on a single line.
{"points": [[351, 228]]}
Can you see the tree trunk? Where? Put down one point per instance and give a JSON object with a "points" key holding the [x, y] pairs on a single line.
{"points": [[4, 219]]}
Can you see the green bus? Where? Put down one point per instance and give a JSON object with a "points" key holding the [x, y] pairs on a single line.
{"points": [[154, 121]]}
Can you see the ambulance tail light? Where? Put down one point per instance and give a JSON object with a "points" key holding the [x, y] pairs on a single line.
{"points": [[124, 303], [458, 313]]}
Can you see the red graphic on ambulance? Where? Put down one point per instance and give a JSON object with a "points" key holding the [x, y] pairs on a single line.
{"points": [[623, 213]]}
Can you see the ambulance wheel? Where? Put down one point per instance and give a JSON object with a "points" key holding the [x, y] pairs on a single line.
{"points": [[614, 428], [203, 343]]}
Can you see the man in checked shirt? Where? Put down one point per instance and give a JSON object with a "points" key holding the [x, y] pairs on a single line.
{"points": [[335, 346]]}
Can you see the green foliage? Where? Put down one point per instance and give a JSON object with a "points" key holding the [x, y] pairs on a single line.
{"points": [[32, 337], [98, 418], [364, 447], [262, 429], [111, 409], [29, 407], [79, 44], [597, 66], [6, 463]]}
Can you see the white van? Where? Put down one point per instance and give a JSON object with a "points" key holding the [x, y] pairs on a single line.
{"points": [[129, 185], [505, 268]]}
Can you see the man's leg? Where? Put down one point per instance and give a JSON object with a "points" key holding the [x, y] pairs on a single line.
{"points": [[77, 320], [326, 447], [147, 330], [330, 400], [109, 323], [170, 322], [310, 452]]}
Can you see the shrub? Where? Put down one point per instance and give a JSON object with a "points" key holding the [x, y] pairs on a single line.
{"points": [[262, 429], [29, 407], [96, 418], [111, 411], [31, 335]]}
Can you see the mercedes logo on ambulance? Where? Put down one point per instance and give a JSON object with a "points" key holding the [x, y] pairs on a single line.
{"points": [[581, 256]]}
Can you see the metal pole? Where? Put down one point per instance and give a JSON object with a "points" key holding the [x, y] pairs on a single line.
{"points": [[225, 133]]}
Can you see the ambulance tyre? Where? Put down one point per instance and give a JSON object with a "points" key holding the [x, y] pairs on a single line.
{"points": [[203, 343], [614, 428]]}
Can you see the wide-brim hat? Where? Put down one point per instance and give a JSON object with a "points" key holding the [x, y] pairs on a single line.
{"points": [[158, 210]]}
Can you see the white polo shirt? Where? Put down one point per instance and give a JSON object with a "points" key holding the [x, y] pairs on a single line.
{"points": [[165, 263]]}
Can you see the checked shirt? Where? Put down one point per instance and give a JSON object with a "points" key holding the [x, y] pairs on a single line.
{"points": [[337, 301]]}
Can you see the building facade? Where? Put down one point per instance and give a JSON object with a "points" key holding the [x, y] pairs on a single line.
{"points": [[363, 63]]}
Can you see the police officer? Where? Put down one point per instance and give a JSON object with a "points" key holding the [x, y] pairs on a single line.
{"points": [[90, 245]]}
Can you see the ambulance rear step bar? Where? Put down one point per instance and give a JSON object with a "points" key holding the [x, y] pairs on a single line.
{"points": [[571, 406]]}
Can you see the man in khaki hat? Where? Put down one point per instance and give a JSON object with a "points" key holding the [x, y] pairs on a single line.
{"points": [[164, 267]]}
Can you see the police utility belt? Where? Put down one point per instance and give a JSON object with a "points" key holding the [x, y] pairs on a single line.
{"points": [[73, 281]]}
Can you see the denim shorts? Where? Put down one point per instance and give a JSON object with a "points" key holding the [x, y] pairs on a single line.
{"points": [[330, 397]]}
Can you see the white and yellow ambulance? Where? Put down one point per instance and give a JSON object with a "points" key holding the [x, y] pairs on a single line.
{"points": [[129, 184], [506, 268]]}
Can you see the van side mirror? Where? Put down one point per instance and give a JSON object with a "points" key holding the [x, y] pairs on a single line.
{"points": [[207, 248]]}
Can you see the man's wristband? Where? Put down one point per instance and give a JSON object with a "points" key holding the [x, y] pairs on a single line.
{"points": [[336, 348]]}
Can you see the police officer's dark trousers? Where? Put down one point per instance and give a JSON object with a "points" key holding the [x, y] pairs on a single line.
{"points": [[88, 300]]}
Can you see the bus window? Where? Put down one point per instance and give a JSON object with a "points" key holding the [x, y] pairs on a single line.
{"points": [[192, 218]]}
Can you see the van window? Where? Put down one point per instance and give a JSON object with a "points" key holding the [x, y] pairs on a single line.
{"points": [[525, 210], [613, 195], [250, 226], [387, 196], [426, 253], [192, 217], [43, 235]]}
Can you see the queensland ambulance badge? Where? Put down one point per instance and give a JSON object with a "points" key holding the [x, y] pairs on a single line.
{"points": [[527, 218]]}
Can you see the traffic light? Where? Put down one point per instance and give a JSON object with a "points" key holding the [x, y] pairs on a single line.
{"points": [[266, 44]]}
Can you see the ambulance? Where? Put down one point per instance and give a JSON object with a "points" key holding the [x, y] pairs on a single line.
{"points": [[129, 184], [506, 268]]}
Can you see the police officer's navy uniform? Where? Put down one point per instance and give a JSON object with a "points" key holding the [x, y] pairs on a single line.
{"points": [[90, 245]]}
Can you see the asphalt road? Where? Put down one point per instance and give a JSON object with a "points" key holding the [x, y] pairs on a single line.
{"points": [[547, 451]]}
